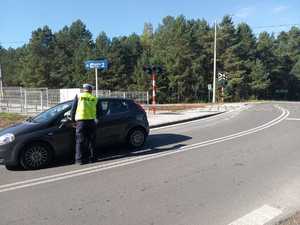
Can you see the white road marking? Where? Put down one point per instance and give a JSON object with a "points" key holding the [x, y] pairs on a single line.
{"points": [[293, 119], [125, 162], [259, 216]]}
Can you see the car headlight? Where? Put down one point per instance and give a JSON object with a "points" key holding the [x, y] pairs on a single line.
{"points": [[6, 138]]}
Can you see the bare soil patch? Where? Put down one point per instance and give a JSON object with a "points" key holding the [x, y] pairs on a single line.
{"points": [[293, 220]]}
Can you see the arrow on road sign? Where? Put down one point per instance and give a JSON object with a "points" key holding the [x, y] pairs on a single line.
{"points": [[96, 64]]}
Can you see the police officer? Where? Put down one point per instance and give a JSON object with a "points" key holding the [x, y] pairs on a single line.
{"points": [[84, 112]]}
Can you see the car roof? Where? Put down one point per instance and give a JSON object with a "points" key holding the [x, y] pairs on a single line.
{"points": [[112, 98], [101, 98]]}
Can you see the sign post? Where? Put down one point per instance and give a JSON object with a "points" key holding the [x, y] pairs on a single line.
{"points": [[222, 77], [101, 64], [154, 90], [96, 78], [153, 70]]}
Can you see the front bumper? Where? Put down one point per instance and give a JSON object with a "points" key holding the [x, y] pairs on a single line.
{"points": [[8, 154]]}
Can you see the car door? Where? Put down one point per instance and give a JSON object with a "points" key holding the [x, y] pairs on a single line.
{"points": [[62, 137], [113, 122]]}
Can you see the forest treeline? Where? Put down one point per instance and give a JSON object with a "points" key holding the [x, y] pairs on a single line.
{"points": [[257, 66]]}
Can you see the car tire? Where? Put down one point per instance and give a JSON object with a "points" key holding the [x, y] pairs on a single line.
{"points": [[36, 156], [136, 138]]}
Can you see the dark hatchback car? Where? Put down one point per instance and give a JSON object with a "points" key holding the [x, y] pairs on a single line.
{"points": [[40, 140]]}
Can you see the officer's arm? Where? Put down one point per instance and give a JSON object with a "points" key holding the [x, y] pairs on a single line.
{"points": [[74, 107]]}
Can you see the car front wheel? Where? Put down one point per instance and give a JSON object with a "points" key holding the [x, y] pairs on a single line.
{"points": [[137, 138], [36, 156]]}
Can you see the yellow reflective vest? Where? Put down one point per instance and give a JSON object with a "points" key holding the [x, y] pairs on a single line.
{"points": [[86, 107]]}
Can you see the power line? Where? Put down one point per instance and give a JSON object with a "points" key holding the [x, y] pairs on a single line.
{"points": [[277, 25], [273, 33]]}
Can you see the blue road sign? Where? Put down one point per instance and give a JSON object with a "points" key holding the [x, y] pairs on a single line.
{"points": [[99, 64]]}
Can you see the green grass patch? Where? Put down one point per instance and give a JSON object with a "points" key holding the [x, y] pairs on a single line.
{"points": [[8, 119]]}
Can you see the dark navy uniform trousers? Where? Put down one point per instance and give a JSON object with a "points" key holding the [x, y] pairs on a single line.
{"points": [[85, 141]]}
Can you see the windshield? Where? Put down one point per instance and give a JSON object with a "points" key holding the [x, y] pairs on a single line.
{"points": [[52, 113]]}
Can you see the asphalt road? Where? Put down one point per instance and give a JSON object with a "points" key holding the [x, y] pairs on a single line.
{"points": [[241, 167]]}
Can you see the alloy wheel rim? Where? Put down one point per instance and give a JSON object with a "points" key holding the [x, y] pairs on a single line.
{"points": [[137, 138], [36, 156]]}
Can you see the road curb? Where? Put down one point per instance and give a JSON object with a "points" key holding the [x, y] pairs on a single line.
{"points": [[184, 120]]}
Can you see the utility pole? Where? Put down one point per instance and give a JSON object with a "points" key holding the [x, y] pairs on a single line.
{"points": [[1, 84], [215, 64]]}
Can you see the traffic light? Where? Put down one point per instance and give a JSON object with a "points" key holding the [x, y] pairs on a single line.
{"points": [[158, 69], [147, 69]]}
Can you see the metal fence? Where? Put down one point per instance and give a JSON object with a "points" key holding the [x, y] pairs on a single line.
{"points": [[31, 101]]}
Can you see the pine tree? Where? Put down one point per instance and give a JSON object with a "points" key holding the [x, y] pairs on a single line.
{"points": [[36, 66], [260, 81]]}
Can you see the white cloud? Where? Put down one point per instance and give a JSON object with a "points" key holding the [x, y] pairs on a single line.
{"points": [[244, 13], [280, 9]]}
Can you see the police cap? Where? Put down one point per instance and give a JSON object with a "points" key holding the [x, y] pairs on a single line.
{"points": [[87, 87]]}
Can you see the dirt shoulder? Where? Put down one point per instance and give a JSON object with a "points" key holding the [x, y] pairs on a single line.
{"points": [[293, 220], [8, 119]]}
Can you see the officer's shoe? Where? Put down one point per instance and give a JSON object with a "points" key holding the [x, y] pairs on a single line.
{"points": [[93, 160], [83, 162]]}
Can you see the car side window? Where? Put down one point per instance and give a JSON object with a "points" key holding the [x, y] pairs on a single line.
{"points": [[104, 107], [117, 106]]}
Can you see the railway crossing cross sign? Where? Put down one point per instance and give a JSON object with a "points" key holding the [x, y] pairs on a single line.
{"points": [[222, 76]]}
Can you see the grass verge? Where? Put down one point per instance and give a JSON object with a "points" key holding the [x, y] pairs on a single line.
{"points": [[8, 119]]}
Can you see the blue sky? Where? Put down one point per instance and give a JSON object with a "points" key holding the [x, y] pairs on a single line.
{"points": [[18, 18]]}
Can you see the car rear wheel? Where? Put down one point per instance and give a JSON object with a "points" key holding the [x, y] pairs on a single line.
{"points": [[137, 138], [36, 156]]}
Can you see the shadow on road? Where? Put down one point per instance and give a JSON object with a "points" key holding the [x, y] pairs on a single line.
{"points": [[155, 143]]}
